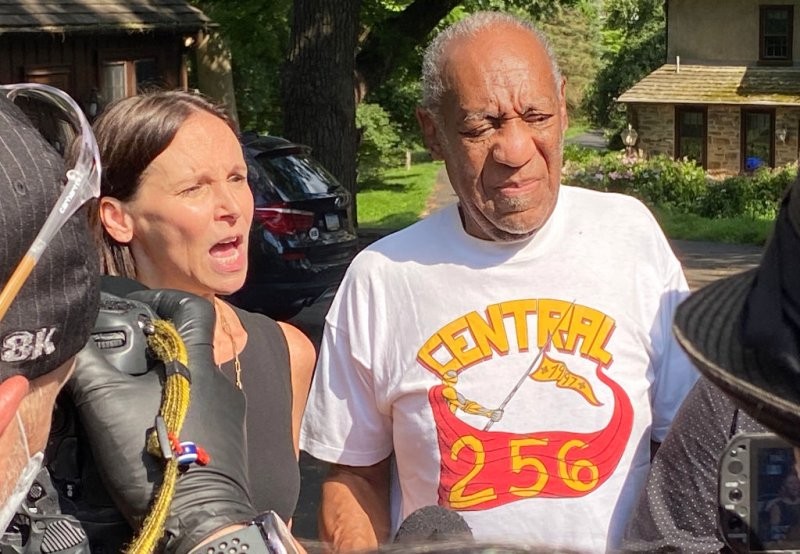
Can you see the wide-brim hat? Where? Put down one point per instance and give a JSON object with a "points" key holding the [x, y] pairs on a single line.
{"points": [[743, 332]]}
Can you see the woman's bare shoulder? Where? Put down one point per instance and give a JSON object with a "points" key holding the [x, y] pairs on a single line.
{"points": [[302, 353]]}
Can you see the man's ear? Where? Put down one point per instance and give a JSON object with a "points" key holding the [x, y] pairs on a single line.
{"points": [[430, 133], [115, 218], [563, 105]]}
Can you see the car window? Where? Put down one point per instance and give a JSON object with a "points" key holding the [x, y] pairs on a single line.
{"points": [[297, 175], [263, 188]]}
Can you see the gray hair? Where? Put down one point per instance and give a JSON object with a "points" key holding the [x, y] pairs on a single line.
{"points": [[432, 84]]}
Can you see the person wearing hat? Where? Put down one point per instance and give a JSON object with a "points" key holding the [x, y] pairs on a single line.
{"points": [[50, 319], [743, 334]]}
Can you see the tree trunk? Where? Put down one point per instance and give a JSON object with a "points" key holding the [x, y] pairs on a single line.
{"points": [[319, 104]]}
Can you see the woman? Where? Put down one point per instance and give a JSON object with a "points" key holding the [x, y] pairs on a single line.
{"points": [[784, 510], [175, 212]]}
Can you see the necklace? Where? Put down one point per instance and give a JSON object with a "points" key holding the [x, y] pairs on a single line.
{"points": [[236, 365]]}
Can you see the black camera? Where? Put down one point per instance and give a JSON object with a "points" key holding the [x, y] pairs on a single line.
{"points": [[120, 333], [759, 494], [70, 490]]}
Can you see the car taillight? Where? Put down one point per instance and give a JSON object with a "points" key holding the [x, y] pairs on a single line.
{"points": [[279, 219]]}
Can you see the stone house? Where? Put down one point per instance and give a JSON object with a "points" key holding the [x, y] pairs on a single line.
{"points": [[99, 50], [728, 95]]}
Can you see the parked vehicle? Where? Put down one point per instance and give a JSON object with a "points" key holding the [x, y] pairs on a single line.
{"points": [[303, 235]]}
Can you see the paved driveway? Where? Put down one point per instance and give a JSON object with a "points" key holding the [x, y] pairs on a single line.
{"points": [[704, 262]]}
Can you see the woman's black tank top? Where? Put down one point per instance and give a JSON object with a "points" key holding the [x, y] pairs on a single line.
{"points": [[273, 470]]}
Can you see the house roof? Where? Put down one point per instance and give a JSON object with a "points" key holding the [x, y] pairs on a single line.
{"points": [[706, 84], [66, 16]]}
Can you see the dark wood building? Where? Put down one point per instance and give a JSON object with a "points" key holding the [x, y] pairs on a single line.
{"points": [[98, 50]]}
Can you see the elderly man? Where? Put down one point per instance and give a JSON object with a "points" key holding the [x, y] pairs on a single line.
{"points": [[512, 352]]}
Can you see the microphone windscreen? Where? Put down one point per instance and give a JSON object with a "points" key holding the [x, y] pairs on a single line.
{"points": [[432, 523]]}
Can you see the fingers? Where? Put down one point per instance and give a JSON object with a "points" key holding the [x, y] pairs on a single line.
{"points": [[193, 316]]}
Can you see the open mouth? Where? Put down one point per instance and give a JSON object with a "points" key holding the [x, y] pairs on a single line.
{"points": [[227, 248]]}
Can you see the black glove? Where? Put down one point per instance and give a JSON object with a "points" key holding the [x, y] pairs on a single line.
{"points": [[118, 410]]}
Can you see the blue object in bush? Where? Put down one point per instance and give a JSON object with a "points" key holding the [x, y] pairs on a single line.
{"points": [[751, 163]]}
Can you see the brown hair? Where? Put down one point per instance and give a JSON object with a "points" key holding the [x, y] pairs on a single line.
{"points": [[130, 134]]}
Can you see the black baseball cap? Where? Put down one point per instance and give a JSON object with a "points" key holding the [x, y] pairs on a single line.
{"points": [[50, 319]]}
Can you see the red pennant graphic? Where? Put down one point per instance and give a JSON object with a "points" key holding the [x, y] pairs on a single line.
{"points": [[484, 469]]}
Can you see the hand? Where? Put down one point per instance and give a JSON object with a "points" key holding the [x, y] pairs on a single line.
{"points": [[118, 410], [495, 415]]}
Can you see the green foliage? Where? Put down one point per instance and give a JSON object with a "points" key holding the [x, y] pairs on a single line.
{"points": [[379, 146], [574, 33], [577, 126], [568, 29], [258, 36], [678, 186], [399, 96], [398, 198], [535, 9], [634, 36], [375, 11], [756, 195], [770, 184], [665, 182]]}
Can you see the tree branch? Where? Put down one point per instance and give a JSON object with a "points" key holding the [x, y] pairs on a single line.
{"points": [[397, 37]]}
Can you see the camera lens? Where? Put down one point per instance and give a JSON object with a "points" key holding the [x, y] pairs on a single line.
{"points": [[735, 495]]}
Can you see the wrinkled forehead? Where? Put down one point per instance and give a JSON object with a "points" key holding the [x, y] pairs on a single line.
{"points": [[497, 65]]}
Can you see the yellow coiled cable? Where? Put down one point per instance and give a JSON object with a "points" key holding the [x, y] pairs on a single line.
{"points": [[168, 347]]}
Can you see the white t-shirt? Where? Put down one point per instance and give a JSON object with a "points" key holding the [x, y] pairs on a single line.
{"points": [[433, 332]]}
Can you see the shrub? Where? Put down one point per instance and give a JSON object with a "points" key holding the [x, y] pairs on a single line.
{"points": [[769, 186], [379, 146], [588, 168], [727, 198], [667, 182], [657, 181], [756, 195], [678, 185], [580, 154]]}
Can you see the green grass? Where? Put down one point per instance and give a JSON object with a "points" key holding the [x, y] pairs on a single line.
{"points": [[577, 126], [398, 197], [737, 230]]}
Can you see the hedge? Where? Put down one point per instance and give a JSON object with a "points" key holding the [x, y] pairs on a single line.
{"points": [[678, 185]]}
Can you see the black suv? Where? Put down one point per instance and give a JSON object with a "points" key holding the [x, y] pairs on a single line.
{"points": [[302, 238]]}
